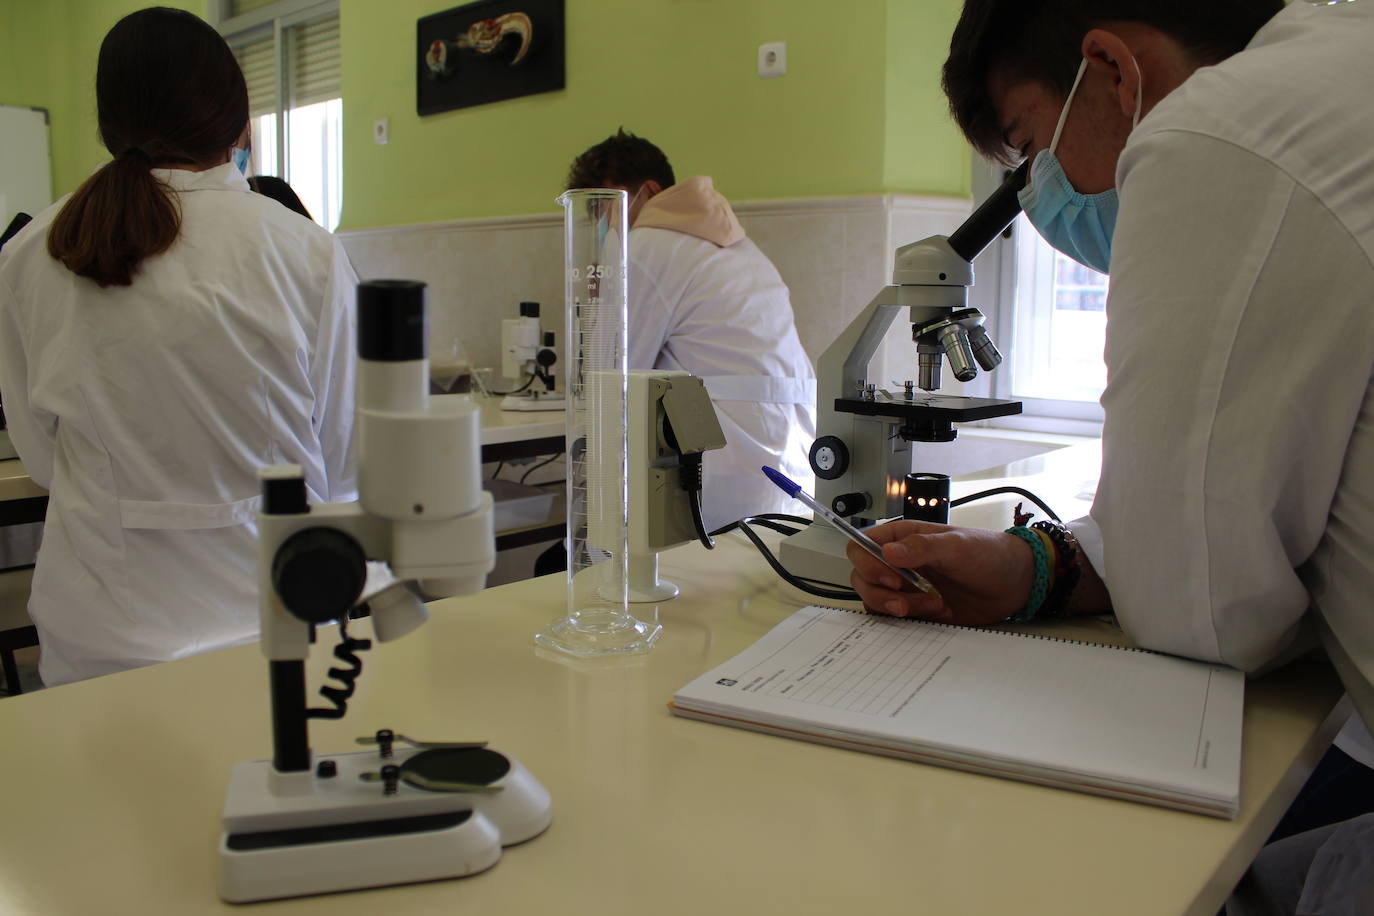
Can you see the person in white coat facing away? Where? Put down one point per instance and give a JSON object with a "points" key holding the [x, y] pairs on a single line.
{"points": [[164, 333], [703, 299]]}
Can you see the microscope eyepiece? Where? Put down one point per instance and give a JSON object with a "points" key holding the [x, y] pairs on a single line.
{"points": [[392, 322]]}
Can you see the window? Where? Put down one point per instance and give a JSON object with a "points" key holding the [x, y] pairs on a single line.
{"points": [[1047, 314], [290, 54], [1059, 323]]}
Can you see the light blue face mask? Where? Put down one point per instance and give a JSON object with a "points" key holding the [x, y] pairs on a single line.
{"points": [[603, 224], [1079, 225], [241, 157]]}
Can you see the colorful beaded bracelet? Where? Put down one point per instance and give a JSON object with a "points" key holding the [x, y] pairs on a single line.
{"points": [[1041, 586]]}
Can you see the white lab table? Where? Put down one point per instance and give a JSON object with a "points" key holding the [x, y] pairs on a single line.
{"points": [[113, 787], [505, 435]]}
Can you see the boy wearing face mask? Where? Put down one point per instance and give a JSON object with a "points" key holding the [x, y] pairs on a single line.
{"points": [[704, 299], [1234, 520]]}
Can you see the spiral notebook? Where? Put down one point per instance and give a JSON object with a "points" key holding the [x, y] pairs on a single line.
{"points": [[1094, 718]]}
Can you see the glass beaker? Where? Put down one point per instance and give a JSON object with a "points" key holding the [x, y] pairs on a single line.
{"points": [[598, 621]]}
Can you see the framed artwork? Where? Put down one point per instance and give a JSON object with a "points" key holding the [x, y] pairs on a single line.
{"points": [[488, 51]]}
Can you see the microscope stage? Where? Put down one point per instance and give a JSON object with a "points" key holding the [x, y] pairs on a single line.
{"points": [[946, 408]]}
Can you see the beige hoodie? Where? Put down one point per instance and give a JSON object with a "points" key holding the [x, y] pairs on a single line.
{"points": [[693, 207]]}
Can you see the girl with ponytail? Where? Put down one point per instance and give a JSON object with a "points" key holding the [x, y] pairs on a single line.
{"points": [[164, 333]]}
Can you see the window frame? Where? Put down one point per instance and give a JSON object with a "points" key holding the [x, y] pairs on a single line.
{"points": [[274, 20]]}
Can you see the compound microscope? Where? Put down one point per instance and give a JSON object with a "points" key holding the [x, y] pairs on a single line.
{"points": [[862, 455], [409, 810]]}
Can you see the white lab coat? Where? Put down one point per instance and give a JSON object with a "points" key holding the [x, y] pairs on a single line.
{"points": [[1237, 488], [723, 313], [147, 411]]}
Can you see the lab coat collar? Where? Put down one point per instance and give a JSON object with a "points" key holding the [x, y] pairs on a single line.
{"points": [[226, 177]]}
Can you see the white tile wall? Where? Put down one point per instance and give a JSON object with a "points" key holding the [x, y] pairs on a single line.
{"points": [[834, 253]]}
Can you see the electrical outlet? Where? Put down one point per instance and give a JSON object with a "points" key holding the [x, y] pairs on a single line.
{"points": [[381, 131], [773, 59]]}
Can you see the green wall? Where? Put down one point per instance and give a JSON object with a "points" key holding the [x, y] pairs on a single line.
{"points": [[859, 111], [48, 50]]}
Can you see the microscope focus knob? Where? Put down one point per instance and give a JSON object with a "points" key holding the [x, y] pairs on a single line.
{"points": [[850, 504], [829, 457], [319, 574]]}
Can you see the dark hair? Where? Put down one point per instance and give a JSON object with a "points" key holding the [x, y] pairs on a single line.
{"points": [[1041, 41], [168, 91], [273, 187], [621, 159]]}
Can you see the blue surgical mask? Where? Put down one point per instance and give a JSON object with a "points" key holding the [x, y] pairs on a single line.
{"points": [[240, 157], [1079, 225], [603, 224]]}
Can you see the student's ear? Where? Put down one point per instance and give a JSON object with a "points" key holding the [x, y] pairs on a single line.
{"points": [[1107, 53], [650, 188]]}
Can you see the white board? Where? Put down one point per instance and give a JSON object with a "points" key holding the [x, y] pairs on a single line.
{"points": [[25, 163]]}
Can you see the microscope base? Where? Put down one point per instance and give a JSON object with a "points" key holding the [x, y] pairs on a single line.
{"points": [[549, 400], [817, 552], [316, 835]]}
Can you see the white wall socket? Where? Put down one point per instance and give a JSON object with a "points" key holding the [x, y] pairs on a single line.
{"points": [[381, 131], [772, 59]]}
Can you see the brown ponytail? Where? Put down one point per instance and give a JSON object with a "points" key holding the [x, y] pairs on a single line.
{"points": [[119, 217], [168, 92]]}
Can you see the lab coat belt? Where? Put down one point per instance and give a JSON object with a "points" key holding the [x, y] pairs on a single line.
{"points": [[169, 515], [763, 389]]}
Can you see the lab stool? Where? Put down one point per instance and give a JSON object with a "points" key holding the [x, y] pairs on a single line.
{"points": [[16, 629]]}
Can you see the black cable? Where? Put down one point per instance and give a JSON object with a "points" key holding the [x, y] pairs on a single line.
{"points": [[550, 460], [689, 474], [761, 518], [528, 382], [699, 523], [500, 465], [347, 652], [833, 593], [999, 491], [766, 522]]}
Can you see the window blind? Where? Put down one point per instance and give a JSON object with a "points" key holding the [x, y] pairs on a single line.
{"points": [[239, 7], [256, 61], [314, 62]]}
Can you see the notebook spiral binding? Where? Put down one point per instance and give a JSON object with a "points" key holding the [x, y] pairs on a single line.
{"points": [[958, 626]]}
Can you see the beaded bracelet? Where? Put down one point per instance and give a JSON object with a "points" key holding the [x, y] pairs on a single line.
{"points": [[1041, 586], [1067, 570]]}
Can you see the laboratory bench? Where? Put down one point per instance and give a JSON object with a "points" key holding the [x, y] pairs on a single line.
{"points": [[115, 785], [505, 435]]}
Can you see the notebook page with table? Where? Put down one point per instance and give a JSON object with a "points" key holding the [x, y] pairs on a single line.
{"points": [[1093, 718]]}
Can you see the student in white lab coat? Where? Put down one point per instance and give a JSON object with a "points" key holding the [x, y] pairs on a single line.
{"points": [[164, 333], [705, 300], [1234, 521]]}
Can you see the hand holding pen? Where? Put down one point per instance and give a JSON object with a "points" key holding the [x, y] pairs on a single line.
{"points": [[793, 489], [984, 576]]}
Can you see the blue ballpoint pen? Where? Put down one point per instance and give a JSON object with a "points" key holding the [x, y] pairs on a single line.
{"points": [[793, 489]]}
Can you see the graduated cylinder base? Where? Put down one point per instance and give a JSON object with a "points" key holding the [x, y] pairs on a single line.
{"points": [[599, 632]]}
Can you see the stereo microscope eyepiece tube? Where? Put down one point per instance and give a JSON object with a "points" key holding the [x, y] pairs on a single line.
{"points": [[393, 342], [955, 341], [984, 350]]}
